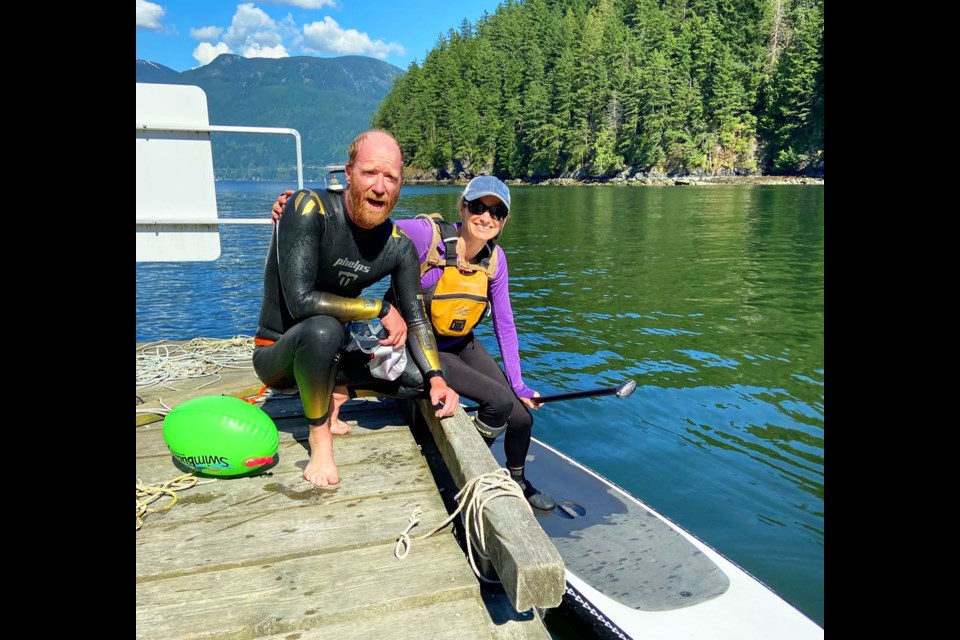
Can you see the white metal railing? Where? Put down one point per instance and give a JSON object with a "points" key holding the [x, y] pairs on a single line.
{"points": [[176, 128]]}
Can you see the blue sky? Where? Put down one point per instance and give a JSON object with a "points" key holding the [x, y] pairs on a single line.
{"points": [[184, 34]]}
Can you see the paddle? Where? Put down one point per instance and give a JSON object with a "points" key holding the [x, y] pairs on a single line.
{"points": [[622, 391]]}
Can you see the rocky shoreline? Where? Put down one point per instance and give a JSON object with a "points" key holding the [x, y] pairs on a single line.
{"points": [[638, 180], [687, 181]]}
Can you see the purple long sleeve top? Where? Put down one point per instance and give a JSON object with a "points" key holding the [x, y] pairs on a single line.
{"points": [[420, 230]]}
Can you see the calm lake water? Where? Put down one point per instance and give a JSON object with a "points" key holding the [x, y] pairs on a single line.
{"points": [[710, 297]]}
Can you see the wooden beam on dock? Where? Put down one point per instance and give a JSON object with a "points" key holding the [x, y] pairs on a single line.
{"points": [[523, 556]]}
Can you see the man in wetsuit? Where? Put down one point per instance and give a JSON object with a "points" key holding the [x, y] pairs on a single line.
{"points": [[326, 250]]}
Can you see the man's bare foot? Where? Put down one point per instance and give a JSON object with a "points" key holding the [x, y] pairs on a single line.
{"points": [[321, 471], [338, 426]]}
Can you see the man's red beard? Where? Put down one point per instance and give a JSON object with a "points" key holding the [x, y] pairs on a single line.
{"points": [[363, 214]]}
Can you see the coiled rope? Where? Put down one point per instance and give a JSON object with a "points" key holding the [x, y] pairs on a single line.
{"points": [[149, 493], [473, 499], [200, 359]]}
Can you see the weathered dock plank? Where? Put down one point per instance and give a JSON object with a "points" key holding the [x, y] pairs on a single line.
{"points": [[304, 592], [525, 559], [454, 620], [183, 547], [233, 497], [371, 464]]}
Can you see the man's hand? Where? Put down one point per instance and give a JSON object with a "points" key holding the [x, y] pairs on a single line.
{"points": [[441, 394], [396, 328], [279, 204]]}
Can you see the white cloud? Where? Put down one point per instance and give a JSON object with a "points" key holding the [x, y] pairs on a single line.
{"points": [[328, 37], [303, 4], [206, 52], [251, 27], [256, 51], [288, 27], [254, 34], [206, 34], [149, 15], [251, 34]]}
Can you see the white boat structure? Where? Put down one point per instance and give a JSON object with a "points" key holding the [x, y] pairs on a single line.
{"points": [[631, 573]]}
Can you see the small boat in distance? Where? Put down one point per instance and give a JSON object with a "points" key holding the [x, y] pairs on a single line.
{"points": [[330, 180]]}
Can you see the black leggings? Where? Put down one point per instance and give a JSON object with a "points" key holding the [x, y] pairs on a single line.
{"points": [[310, 356], [473, 373]]}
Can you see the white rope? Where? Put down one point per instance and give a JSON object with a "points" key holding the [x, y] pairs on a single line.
{"points": [[198, 360], [404, 540], [161, 411], [147, 493], [473, 499]]}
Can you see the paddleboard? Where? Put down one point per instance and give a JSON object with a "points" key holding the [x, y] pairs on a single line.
{"points": [[632, 573]]}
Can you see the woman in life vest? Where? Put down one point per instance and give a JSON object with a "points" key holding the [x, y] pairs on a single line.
{"points": [[463, 274]]}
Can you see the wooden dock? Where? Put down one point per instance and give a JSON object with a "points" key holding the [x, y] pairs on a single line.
{"points": [[272, 556]]}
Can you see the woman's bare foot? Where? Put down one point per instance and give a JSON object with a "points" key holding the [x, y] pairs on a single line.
{"points": [[321, 471], [338, 426]]}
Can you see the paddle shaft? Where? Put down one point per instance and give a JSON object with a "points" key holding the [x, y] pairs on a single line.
{"points": [[622, 391], [573, 395]]}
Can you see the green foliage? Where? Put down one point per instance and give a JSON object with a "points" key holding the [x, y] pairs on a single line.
{"points": [[791, 113], [546, 88]]}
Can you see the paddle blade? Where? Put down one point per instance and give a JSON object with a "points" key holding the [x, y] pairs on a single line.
{"points": [[626, 389]]}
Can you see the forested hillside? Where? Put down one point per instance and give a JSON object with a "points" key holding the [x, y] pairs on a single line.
{"points": [[598, 88]]}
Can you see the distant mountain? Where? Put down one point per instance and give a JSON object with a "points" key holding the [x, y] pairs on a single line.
{"points": [[327, 100], [156, 73]]}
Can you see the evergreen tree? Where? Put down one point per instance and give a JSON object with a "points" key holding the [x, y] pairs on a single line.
{"points": [[792, 115]]}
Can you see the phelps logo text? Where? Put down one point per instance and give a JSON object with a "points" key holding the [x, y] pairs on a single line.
{"points": [[352, 264]]}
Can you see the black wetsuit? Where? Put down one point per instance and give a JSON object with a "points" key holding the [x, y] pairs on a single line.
{"points": [[310, 292]]}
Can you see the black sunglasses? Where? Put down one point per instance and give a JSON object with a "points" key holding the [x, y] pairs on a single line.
{"points": [[476, 207]]}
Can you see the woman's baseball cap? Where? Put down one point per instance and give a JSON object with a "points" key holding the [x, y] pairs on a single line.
{"points": [[487, 186]]}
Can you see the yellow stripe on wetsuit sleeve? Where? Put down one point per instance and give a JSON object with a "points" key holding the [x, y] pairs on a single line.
{"points": [[309, 206]]}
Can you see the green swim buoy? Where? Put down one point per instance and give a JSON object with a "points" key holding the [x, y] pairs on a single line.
{"points": [[221, 435]]}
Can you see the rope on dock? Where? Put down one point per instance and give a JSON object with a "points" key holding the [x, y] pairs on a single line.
{"points": [[404, 540], [472, 499], [149, 493], [200, 359], [162, 410]]}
